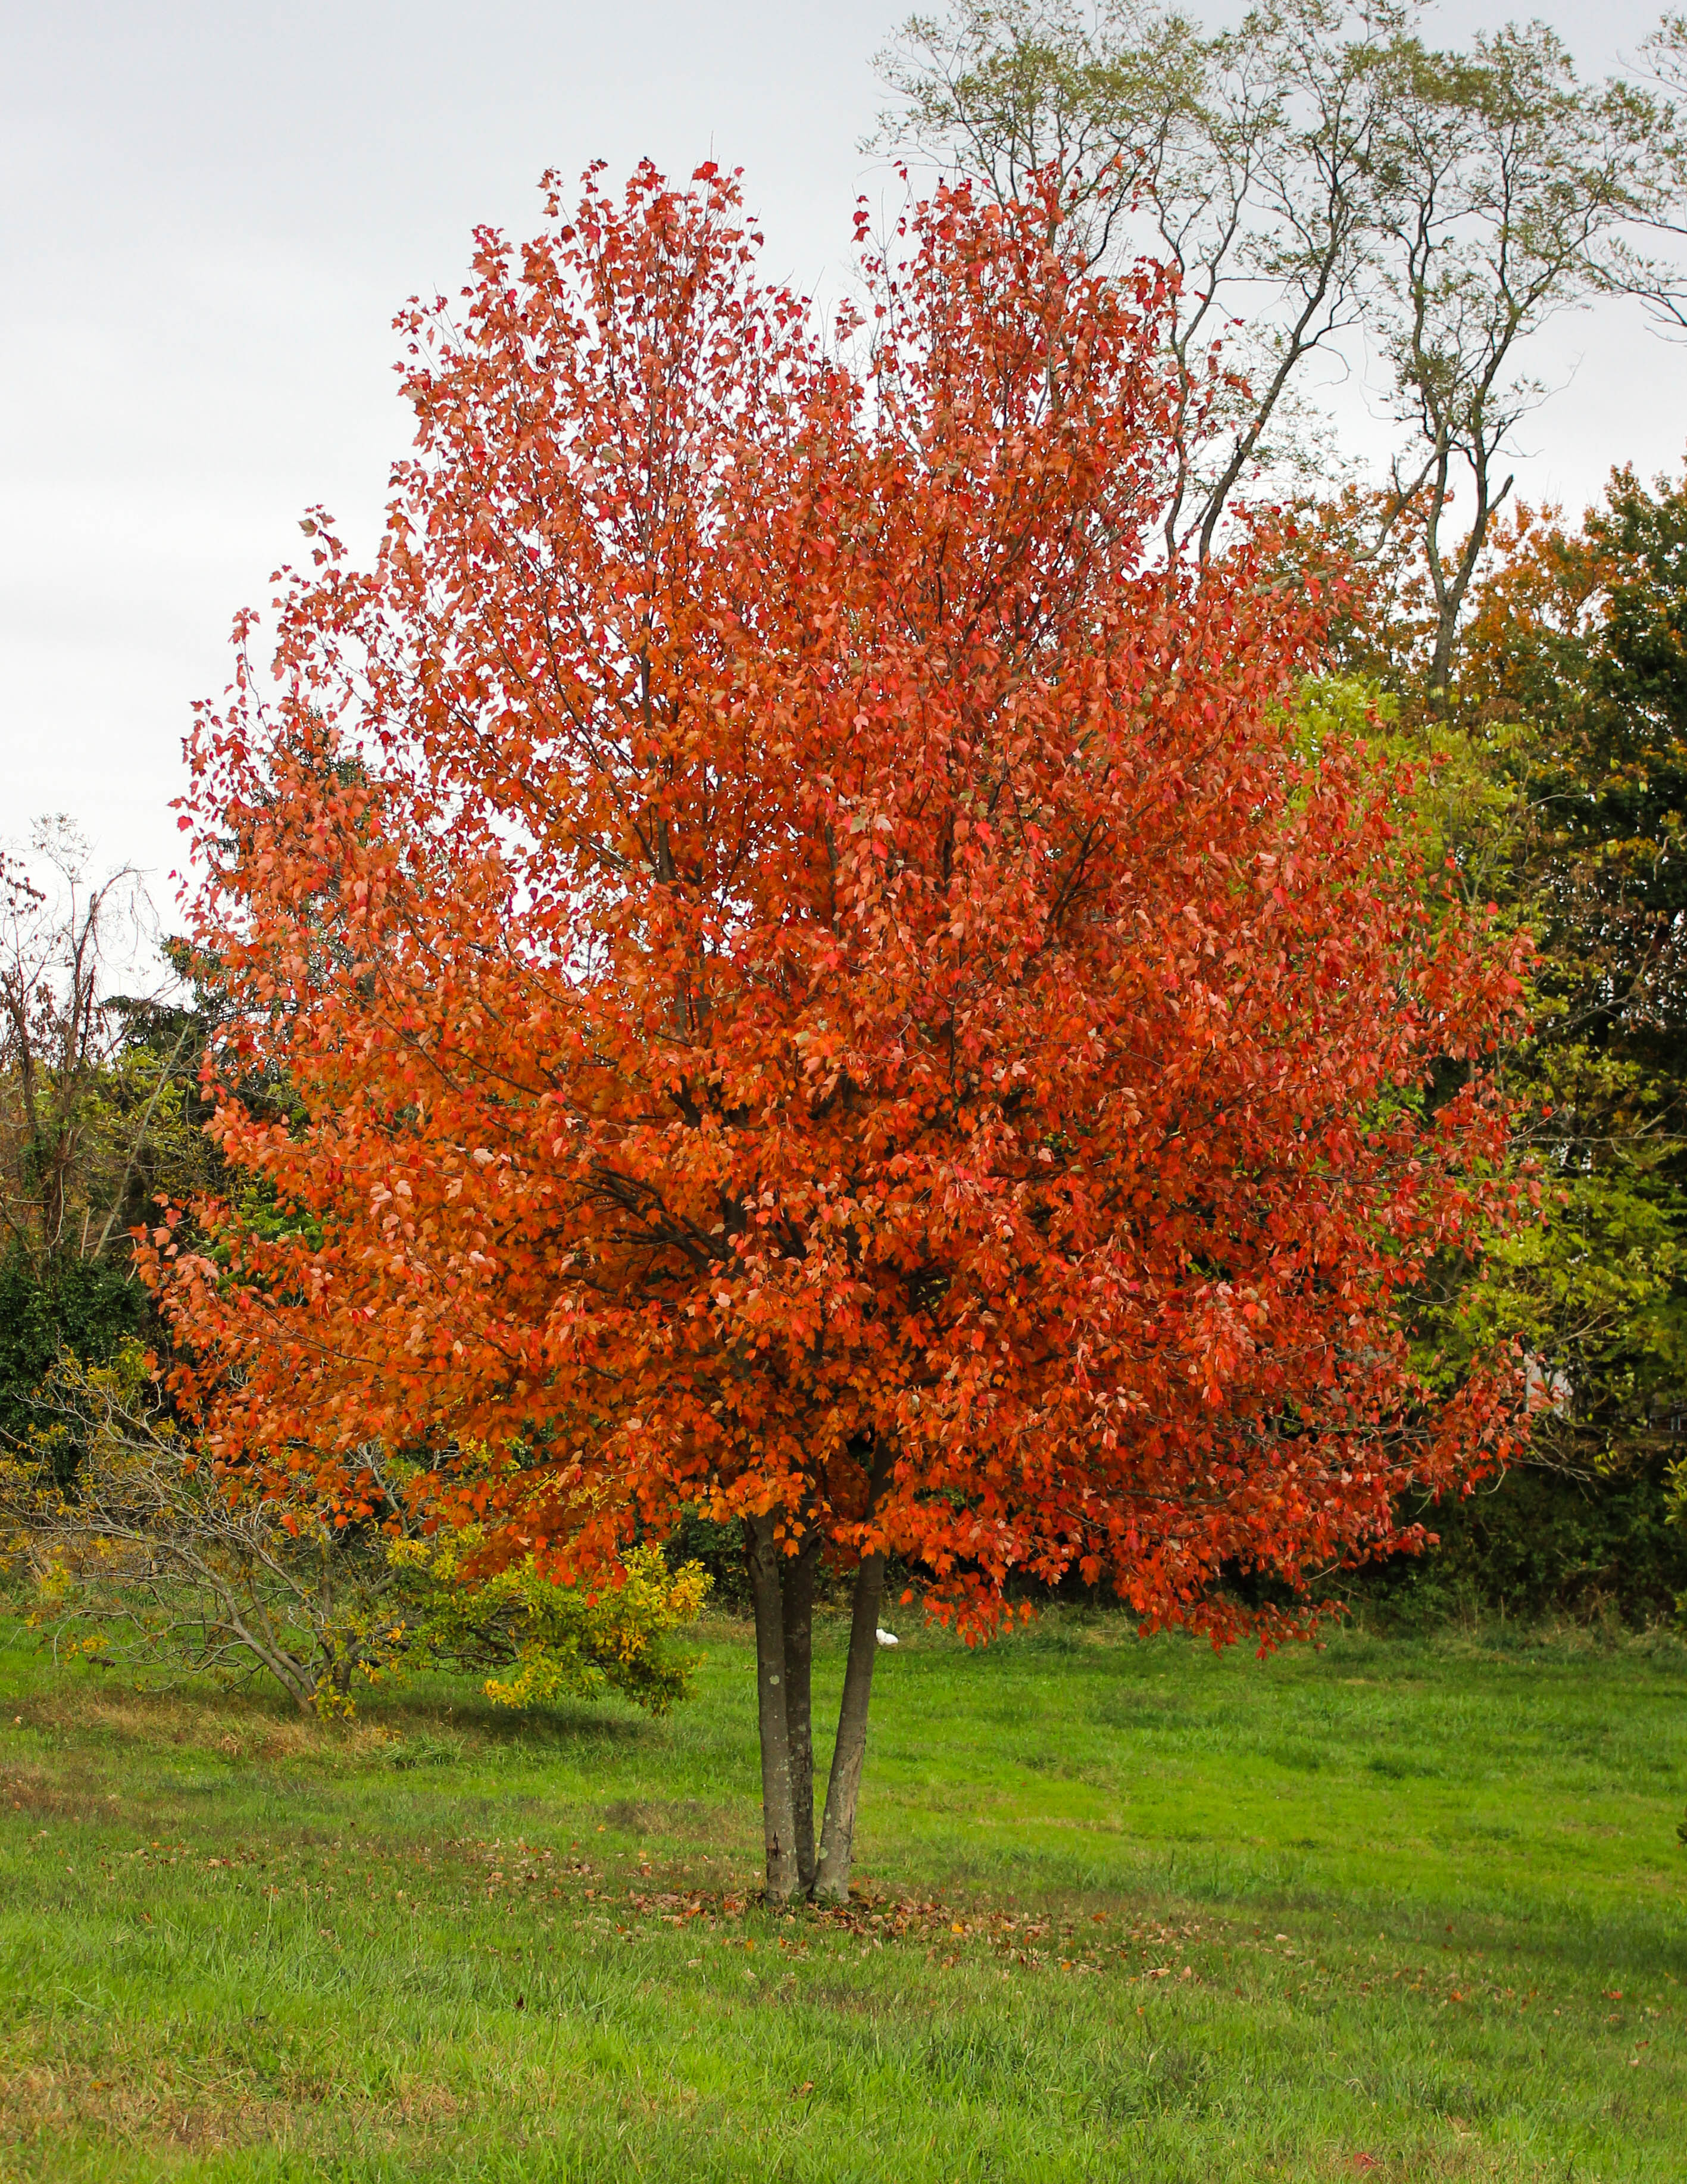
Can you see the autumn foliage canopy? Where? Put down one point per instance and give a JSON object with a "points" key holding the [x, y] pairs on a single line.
{"points": [[813, 977]]}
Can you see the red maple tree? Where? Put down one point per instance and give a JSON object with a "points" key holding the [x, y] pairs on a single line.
{"points": [[812, 977]]}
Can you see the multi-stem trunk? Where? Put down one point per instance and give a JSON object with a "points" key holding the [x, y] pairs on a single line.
{"points": [[782, 1588], [778, 1801]]}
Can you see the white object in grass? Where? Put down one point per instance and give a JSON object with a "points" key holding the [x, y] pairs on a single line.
{"points": [[888, 1638]]}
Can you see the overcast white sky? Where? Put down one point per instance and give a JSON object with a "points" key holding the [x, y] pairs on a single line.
{"points": [[212, 211]]}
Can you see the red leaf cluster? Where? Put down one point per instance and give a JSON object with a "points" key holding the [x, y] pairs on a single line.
{"points": [[786, 934]]}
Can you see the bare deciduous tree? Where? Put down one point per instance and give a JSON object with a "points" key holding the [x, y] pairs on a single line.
{"points": [[1501, 189], [1240, 160], [1659, 281], [1316, 178]]}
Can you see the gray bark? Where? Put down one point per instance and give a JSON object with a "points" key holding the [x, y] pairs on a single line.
{"points": [[843, 1789], [778, 1805]]}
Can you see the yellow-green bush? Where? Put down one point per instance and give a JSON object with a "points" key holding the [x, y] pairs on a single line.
{"points": [[138, 1552]]}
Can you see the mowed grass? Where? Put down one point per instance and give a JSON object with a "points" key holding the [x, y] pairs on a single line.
{"points": [[1413, 1910]]}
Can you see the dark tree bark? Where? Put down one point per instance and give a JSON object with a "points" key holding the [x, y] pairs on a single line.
{"points": [[778, 1808], [798, 1584]]}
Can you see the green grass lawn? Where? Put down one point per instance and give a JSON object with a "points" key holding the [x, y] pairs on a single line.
{"points": [[1130, 1912]]}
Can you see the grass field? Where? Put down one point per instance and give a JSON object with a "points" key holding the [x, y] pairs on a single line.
{"points": [[1414, 1910]]}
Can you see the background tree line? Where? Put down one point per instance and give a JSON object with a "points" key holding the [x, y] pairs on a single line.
{"points": [[99, 1117]]}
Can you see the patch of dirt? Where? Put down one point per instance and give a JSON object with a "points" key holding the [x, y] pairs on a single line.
{"points": [[1426, 2163], [144, 2101], [665, 1816], [42, 2100], [31, 1792], [221, 1726]]}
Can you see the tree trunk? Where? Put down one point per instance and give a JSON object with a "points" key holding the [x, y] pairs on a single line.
{"points": [[1441, 661], [778, 1808], [837, 1830], [799, 1628]]}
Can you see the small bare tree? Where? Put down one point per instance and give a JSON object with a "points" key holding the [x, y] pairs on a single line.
{"points": [[80, 1099], [139, 1553]]}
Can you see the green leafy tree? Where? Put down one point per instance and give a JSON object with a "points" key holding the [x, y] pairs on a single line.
{"points": [[1578, 658], [1558, 788]]}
